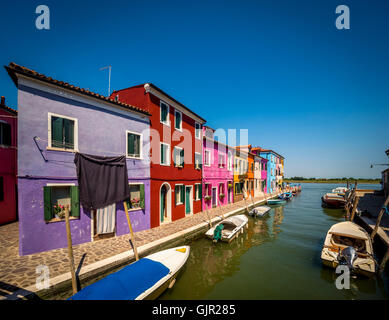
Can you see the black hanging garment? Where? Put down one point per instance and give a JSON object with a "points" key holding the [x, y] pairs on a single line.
{"points": [[102, 181]]}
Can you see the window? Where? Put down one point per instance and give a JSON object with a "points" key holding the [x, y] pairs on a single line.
{"points": [[239, 188], [137, 196], [178, 120], [179, 194], [1, 189], [62, 132], [198, 130], [221, 160], [134, 145], [252, 167], [178, 157], [165, 154], [221, 189], [56, 198], [207, 158], [198, 161], [229, 165], [198, 192], [5, 133], [165, 113], [208, 189]]}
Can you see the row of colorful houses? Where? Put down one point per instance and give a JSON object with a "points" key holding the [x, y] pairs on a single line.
{"points": [[177, 166]]}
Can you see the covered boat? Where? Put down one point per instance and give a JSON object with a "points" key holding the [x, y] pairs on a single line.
{"points": [[333, 200], [276, 201], [349, 244], [228, 229], [286, 196], [146, 278], [259, 211]]}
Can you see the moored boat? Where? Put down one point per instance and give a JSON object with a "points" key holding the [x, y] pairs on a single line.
{"points": [[333, 200], [348, 244], [275, 201], [144, 279], [228, 229], [259, 211], [340, 190], [286, 196]]}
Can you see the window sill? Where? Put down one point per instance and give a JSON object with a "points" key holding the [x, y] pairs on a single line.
{"points": [[135, 209], [62, 150], [61, 220], [134, 158]]}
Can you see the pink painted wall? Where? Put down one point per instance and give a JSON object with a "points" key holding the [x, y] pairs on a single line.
{"points": [[215, 175]]}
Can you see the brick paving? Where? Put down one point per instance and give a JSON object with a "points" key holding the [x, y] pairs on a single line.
{"points": [[19, 272]]}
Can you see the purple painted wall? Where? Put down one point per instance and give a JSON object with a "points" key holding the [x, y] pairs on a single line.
{"points": [[264, 172], [214, 175], [101, 131]]}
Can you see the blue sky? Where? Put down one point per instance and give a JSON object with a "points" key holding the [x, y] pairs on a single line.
{"points": [[313, 93]]}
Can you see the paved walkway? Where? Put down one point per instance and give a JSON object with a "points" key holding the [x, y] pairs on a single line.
{"points": [[19, 272]]}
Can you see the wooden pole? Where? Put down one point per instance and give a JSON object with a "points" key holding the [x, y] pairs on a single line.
{"points": [[354, 208], [131, 231], [70, 250], [245, 200], [378, 222], [384, 260]]}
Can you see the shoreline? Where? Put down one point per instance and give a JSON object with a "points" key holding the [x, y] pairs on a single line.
{"points": [[334, 181]]}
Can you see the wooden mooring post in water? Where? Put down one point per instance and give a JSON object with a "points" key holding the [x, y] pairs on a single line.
{"points": [[70, 250], [131, 231]]}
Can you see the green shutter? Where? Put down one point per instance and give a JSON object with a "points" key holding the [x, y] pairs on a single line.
{"points": [[47, 203], [201, 191], [175, 194], [142, 196], [130, 142], [75, 202], [162, 154], [164, 113], [69, 133], [183, 194], [56, 132]]}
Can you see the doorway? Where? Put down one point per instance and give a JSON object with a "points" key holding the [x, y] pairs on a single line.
{"points": [[165, 203], [214, 197], [188, 200]]}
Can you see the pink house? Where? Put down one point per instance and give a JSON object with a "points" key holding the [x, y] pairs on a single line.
{"points": [[218, 175]]}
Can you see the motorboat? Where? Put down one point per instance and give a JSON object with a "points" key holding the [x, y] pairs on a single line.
{"points": [[333, 200], [348, 244], [228, 229], [340, 190], [276, 201], [144, 279], [286, 196], [259, 211]]}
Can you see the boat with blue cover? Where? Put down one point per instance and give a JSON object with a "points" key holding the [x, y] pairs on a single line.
{"points": [[276, 201], [144, 279], [285, 196]]}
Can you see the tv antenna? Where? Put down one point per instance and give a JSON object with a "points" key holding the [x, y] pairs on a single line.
{"points": [[109, 78]]}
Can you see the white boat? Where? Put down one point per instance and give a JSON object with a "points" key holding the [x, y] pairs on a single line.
{"points": [[340, 190], [259, 211], [228, 229], [144, 279], [347, 243]]}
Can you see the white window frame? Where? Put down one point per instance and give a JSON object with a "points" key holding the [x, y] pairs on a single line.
{"points": [[135, 184], [140, 145], [199, 154], [160, 113], [175, 195], [49, 146], [229, 161], [168, 158], [196, 193], [209, 158], [197, 124], [224, 159], [174, 160], [175, 112]]}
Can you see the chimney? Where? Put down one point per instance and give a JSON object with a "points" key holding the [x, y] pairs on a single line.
{"points": [[2, 101]]}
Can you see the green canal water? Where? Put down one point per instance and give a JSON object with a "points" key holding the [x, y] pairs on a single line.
{"points": [[277, 258]]}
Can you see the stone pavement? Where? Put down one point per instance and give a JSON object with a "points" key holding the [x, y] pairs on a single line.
{"points": [[19, 272]]}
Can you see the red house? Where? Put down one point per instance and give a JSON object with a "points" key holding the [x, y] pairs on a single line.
{"points": [[8, 163], [175, 153]]}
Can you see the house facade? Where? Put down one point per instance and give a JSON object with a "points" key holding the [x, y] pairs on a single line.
{"points": [[240, 175], [274, 169], [257, 176], [175, 153], [56, 120], [8, 163], [217, 171]]}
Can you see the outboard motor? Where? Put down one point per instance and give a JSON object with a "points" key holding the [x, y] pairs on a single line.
{"points": [[347, 257]]}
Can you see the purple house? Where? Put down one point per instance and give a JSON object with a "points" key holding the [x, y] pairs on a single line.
{"points": [[56, 120], [218, 175]]}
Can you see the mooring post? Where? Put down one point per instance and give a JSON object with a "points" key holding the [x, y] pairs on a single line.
{"points": [[355, 205], [378, 222], [384, 260], [131, 231], [70, 250]]}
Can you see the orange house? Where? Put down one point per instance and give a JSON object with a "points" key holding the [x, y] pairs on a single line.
{"points": [[246, 151]]}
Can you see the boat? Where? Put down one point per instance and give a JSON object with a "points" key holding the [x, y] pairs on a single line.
{"points": [[333, 200], [144, 279], [347, 243], [228, 229], [259, 211], [340, 190], [286, 196], [276, 201]]}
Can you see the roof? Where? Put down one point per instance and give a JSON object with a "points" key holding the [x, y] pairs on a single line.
{"points": [[266, 151], [14, 69], [8, 109], [165, 94]]}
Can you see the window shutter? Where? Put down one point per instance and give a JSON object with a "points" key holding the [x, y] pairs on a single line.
{"points": [[142, 196], [200, 191], [75, 202], [131, 143], [182, 157], [69, 133], [162, 154], [56, 132], [183, 194], [164, 113], [47, 203], [175, 194]]}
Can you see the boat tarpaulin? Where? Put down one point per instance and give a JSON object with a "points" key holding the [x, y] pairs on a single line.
{"points": [[102, 180], [125, 284]]}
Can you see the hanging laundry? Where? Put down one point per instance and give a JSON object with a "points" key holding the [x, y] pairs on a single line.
{"points": [[102, 180]]}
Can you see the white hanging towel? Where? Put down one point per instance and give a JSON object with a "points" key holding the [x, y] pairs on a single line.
{"points": [[106, 219]]}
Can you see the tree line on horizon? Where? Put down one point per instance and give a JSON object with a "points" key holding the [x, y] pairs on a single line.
{"points": [[333, 179]]}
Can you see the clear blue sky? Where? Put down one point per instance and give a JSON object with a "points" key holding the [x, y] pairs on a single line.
{"points": [[315, 94]]}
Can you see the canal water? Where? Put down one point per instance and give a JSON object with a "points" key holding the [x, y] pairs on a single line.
{"points": [[278, 257]]}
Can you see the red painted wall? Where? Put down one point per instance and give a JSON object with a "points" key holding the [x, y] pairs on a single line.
{"points": [[8, 170], [187, 175]]}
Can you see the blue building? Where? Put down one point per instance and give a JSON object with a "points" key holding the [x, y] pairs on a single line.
{"points": [[274, 169]]}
